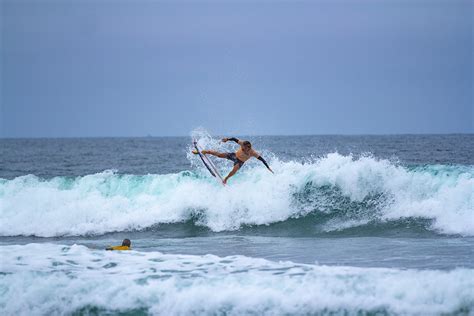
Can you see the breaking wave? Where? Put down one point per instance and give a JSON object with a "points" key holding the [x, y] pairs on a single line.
{"points": [[334, 193]]}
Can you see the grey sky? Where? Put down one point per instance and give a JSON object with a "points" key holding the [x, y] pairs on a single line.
{"points": [[132, 68]]}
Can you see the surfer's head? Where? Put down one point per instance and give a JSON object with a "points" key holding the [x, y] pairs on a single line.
{"points": [[246, 145], [126, 242]]}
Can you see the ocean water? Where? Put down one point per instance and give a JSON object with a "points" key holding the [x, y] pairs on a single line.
{"points": [[347, 225]]}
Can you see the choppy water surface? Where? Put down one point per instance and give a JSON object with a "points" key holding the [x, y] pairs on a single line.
{"points": [[347, 225]]}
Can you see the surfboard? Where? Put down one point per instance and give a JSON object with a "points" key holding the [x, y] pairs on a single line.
{"points": [[208, 163]]}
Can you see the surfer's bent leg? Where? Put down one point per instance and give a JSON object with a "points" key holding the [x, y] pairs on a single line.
{"points": [[232, 172]]}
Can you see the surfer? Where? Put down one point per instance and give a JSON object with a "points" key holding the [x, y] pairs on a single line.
{"points": [[244, 153], [126, 245]]}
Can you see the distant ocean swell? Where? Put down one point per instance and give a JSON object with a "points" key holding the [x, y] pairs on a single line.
{"points": [[55, 279], [336, 192]]}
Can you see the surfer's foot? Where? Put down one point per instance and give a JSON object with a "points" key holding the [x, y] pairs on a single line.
{"points": [[195, 152]]}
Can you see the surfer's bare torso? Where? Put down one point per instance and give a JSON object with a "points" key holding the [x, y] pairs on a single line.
{"points": [[244, 156]]}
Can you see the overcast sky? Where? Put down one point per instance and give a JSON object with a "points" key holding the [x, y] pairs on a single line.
{"points": [[136, 68]]}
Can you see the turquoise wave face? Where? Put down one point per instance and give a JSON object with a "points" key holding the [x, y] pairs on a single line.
{"points": [[56, 279], [335, 193]]}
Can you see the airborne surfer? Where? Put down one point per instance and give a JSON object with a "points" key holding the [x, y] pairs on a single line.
{"points": [[244, 153]]}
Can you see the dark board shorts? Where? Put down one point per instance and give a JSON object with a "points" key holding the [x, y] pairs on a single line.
{"points": [[233, 157]]}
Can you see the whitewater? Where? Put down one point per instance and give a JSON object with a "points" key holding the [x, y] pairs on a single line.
{"points": [[89, 281]]}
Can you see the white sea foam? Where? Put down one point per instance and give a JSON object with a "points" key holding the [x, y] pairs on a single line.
{"points": [[51, 279], [106, 201]]}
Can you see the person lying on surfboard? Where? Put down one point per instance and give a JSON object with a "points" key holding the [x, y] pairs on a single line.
{"points": [[244, 153], [126, 245]]}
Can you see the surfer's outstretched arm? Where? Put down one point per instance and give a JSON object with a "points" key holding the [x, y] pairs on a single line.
{"points": [[265, 163], [236, 140], [232, 172]]}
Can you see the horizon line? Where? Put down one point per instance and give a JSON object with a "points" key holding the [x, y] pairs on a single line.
{"points": [[241, 135]]}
